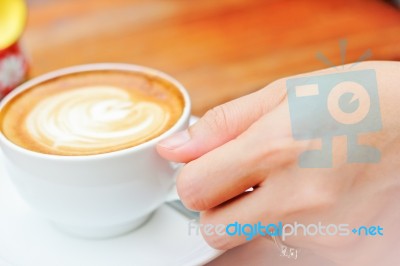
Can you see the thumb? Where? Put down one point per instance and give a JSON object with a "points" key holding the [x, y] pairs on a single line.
{"points": [[219, 125]]}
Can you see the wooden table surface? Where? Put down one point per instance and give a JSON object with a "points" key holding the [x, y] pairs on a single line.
{"points": [[219, 50]]}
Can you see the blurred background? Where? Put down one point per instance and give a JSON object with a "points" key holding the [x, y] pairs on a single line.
{"points": [[219, 50]]}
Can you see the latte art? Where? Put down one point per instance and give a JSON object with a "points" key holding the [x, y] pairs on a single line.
{"points": [[94, 118], [91, 113]]}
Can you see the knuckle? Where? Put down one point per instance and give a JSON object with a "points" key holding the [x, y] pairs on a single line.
{"points": [[216, 119], [277, 83], [195, 203], [318, 195], [275, 91], [329, 197], [309, 196], [279, 152], [190, 190]]}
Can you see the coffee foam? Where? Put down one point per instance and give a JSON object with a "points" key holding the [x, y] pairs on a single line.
{"points": [[82, 119]]}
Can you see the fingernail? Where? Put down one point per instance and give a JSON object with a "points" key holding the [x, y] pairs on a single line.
{"points": [[176, 140]]}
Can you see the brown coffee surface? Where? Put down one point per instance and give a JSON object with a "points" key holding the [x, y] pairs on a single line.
{"points": [[91, 113]]}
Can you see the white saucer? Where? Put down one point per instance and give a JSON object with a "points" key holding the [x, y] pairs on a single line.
{"points": [[28, 240]]}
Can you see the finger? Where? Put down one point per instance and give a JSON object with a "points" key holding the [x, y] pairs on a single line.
{"points": [[221, 124], [282, 198], [247, 209], [225, 172]]}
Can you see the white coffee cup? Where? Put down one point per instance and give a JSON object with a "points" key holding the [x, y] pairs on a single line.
{"points": [[100, 195]]}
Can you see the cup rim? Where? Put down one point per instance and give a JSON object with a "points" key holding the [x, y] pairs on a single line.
{"points": [[98, 67]]}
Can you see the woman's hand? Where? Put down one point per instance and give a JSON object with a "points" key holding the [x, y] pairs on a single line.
{"points": [[248, 143]]}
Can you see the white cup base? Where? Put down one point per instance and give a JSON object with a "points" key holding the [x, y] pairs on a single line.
{"points": [[101, 232]]}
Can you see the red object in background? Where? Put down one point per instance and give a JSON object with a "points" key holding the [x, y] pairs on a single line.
{"points": [[13, 68]]}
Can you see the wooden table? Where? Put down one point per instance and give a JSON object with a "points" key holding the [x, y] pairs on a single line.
{"points": [[219, 50]]}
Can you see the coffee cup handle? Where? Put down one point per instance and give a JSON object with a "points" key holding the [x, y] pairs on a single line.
{"points": [[173, 194]]}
